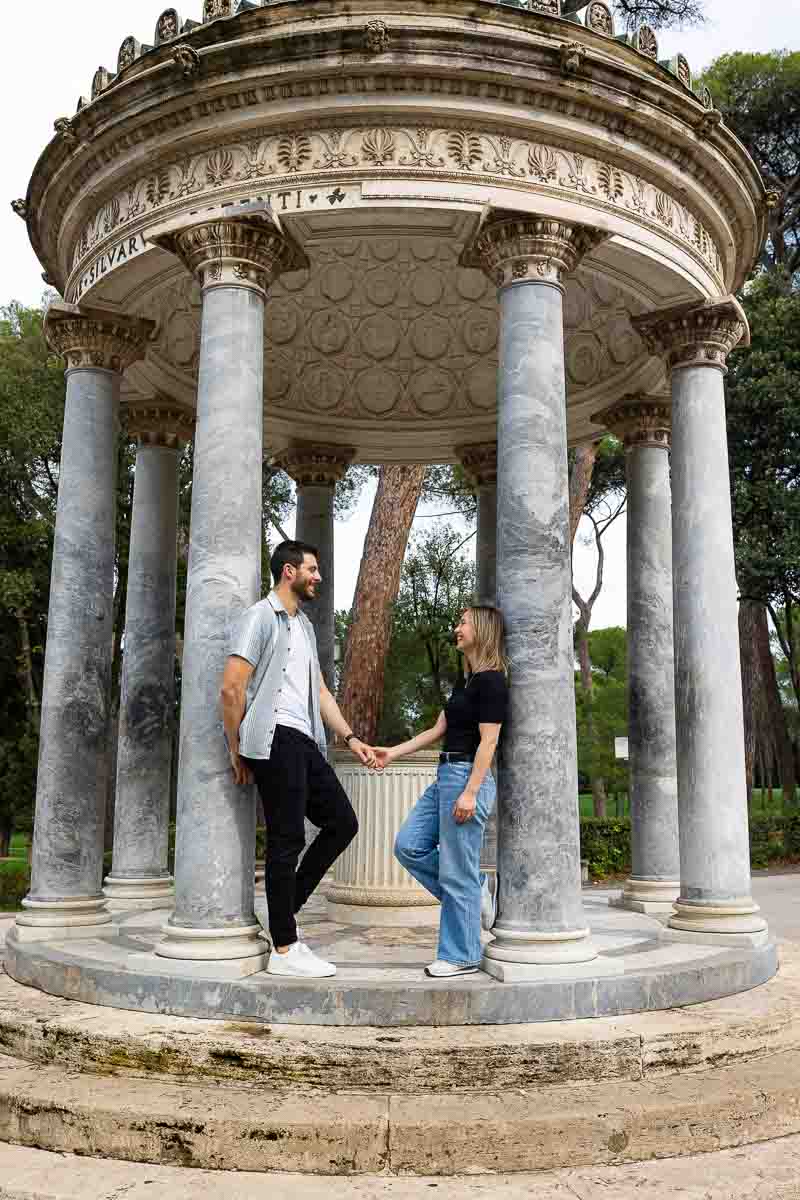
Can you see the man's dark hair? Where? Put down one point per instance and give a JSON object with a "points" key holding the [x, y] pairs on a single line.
{"points": [[291, 553]]}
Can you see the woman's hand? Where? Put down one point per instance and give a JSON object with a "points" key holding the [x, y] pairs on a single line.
{"points": [[383, 756], [464, 807]]}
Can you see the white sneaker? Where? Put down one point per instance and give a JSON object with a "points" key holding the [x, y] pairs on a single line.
{"points": [[443, 970], [488, 904], [299, 963]]}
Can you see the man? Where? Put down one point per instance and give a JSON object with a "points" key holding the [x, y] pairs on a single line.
{"points": [[274, 702]]}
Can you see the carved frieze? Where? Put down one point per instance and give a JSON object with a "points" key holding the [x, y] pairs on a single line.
{"points": [[390, 328], [306, 155], [92, 338], [513, 248], [639, 420], [699, 333]]}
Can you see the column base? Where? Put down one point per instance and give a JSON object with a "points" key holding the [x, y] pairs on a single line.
{"points": [[528, 947], [215, 945], [43, 919], [129, 894], [518, 972], [385, 915], [718, 924], [654, 897]]}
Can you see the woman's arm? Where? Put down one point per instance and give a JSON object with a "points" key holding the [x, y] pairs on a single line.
{"points": [[420, 742], [464, 806]]}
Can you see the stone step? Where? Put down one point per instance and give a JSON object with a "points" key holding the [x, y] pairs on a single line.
{"points": [[763, 1171], [81, 1037], [232, 1128]]}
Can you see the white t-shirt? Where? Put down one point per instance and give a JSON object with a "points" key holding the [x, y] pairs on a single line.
{"points": [[293, 702]]}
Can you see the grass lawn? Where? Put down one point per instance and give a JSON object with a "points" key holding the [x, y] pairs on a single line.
{"points": [[760, 805]]}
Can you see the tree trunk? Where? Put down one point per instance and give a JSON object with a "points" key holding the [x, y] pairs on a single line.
{"points": [[580, 480], [752, 687], [6, 833], [361, 689], [783, 750], [25, 673]]}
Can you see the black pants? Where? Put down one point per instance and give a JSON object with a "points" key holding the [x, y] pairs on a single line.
{"points": [[296, 782]]}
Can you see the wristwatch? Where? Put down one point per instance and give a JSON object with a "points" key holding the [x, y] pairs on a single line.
{"points": [[350, 737]]}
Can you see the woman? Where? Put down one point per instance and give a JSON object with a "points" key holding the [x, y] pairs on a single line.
{"points": [[440, 840]]}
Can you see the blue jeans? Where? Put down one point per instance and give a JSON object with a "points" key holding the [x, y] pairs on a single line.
{"points": [[445, 858]]}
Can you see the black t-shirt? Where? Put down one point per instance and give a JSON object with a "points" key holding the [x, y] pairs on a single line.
{"points": [[482, 700]]}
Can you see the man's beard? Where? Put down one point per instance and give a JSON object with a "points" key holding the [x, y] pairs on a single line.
{"points": [[302, 590]]}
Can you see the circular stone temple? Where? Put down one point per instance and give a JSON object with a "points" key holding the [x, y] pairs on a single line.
{"points": [[447, 230]]}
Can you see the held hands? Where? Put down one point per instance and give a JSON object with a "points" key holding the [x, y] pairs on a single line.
{"points": [[384, 756], [241, 772], [364, 753]]}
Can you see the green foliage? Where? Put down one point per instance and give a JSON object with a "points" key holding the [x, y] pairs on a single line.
{"points": [[602, 712], [759, 96], [15, 880]]}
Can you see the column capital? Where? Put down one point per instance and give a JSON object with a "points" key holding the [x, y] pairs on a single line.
{"points": [[639, 420], [239, 252], [700, 333], [519, 247], [92, 337], [479, 460], [159, 422], [311, 463]]}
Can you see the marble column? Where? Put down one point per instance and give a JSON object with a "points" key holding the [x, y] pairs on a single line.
{"points": [[234, 261], [540, 921], [715, 902], [140, 876], [316, 470], [479, 461], [642, 423], [67, 861], [480, 466]]}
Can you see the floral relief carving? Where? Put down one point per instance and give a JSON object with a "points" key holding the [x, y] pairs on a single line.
{"points": [[543, 163], [216, 8], [683, 71], [127, 53], [219, 167], [646, 41], [378, 146], [111, 216], [438, 151], [465, 149], [609, 182], [293, 151]]}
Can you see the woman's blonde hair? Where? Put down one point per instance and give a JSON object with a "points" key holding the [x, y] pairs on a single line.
{"points": [[488, 653]]}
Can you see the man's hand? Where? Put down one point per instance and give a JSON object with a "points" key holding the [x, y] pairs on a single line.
{"points": [[364, 753], [383, 756], [241, 772], [464, 807]]}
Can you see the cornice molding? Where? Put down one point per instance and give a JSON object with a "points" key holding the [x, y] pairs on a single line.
{"points": [[696, 334], [513, 249], [94, 338], [639, 420]]}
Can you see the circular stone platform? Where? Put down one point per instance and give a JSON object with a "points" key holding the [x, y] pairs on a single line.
{"points": [[380, 980]]}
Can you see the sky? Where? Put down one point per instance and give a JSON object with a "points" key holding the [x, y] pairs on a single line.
{"points": [[48, 62]]}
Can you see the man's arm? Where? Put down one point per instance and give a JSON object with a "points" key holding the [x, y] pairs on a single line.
{"points": [[332, 716], [233, 700]]}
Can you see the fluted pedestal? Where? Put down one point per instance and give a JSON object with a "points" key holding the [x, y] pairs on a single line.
{"points": [[369, 886]]}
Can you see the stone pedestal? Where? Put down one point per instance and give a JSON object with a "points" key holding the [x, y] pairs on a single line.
{"points": [[316, 470], [643, 424], [369, 886], [139, 875], [234, 261], [715, 894], [540, 915], [67, 861]]}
